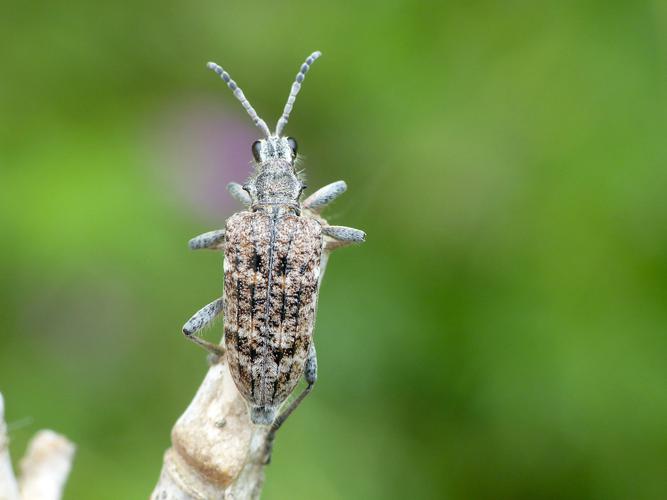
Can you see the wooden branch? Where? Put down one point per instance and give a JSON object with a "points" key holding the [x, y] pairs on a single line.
{"points": [[216, 450], [45, 467]]}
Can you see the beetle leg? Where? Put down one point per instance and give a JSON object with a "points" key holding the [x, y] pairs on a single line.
{"points": [[310, 375], [238, 193], [323, 196], [201, 319], [342, 236], [212, 240]]}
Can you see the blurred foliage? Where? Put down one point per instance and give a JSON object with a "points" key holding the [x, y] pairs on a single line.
{"points": [[500, 335]]}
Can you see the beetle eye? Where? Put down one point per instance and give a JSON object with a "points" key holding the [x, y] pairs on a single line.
{"points": [[256, 150], [292, 144]]}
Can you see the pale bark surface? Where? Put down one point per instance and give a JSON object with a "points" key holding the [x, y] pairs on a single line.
{"points": [[216, 451]]}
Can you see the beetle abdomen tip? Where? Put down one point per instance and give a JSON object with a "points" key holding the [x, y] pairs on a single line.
{"points": [[262, 415]]}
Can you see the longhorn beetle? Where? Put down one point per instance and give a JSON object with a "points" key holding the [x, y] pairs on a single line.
{"points": [[273, 253]]}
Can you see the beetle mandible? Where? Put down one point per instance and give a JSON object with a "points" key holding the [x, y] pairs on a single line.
{"points": [[273, 253]]}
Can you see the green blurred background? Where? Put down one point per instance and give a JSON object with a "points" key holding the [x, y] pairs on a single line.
{"points": [[500, 335]]}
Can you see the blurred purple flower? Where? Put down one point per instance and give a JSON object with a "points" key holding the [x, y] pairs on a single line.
{"points": [[200, 148]]}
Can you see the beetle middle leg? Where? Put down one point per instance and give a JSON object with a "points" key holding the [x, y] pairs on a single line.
{"points": [[343, 236], [200, 320], [310, 375], [212, 240]]}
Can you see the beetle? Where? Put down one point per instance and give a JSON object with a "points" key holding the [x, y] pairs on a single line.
{"points": [[274, 256]]}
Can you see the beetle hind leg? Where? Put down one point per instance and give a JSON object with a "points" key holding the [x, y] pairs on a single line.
{"points": [[200, 320], [310, 375]]}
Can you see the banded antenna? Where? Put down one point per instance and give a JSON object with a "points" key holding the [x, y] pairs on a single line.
{"points": [[296, 86], [241, 97]]}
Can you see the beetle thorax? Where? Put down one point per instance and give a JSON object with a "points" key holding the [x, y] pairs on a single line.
{"points": [[275, 181]]}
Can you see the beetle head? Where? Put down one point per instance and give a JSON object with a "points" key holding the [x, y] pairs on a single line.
{"points": [[275, 180]]}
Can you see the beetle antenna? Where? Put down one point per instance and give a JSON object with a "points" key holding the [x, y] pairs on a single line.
{"points": [[296, 86], [241, 97]]}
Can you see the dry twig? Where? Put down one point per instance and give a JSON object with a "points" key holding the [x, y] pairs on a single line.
{"points": [[44, 469]]}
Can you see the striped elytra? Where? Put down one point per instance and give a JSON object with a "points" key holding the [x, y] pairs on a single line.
{"points": [[272, 259]]}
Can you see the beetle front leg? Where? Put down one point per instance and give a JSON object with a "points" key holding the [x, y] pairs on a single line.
{"points": [[201, 319], [238, 193], [212, 240], [323, 196], [310, 375], [342, 236]]}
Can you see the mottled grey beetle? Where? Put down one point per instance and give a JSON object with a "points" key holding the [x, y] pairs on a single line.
{"points": [[273, 253]]}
